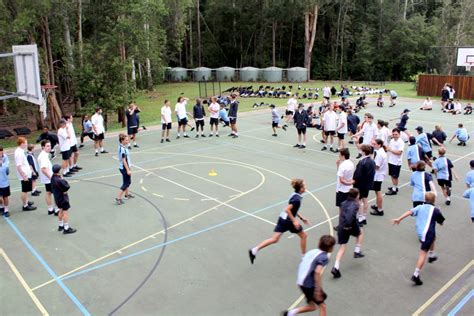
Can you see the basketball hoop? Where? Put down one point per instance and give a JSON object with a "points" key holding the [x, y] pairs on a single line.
{"points": [[468, 66]]}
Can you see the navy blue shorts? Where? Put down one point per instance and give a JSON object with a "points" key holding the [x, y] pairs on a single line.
{"points": [[126, 179], [310, 295], [429, 240], [284, 225], [5, 192]]}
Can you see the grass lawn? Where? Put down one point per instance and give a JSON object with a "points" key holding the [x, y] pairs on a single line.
{"points": [[150, 102]]}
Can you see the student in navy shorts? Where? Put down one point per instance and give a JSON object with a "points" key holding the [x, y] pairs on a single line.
{"points": [[287, 221], [61, 197], [4, 183]]}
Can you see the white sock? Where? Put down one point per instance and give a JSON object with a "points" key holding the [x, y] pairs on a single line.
{"points": [[6, 209], [65, 172], [61, 223], [178, 134], [431, 254], [66, 226], [34, 189], [97, 150], [357, 248], [254, 250], [50, 208], [336, 264], [293, 312], [101, 149], [135, 143], [417, 272], [447, 199]]}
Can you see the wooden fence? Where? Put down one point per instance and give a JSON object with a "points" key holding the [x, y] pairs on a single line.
{"points": [[431, 85]]}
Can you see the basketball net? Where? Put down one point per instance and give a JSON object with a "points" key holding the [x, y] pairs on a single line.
{"points": [[468, 66]]}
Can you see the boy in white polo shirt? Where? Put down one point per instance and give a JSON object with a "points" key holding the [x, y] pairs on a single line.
{"points": [[214, 108], [395, 156], [180, 110], [45, 174], [24, 173], [166, 121], [73, 141], [381, 168], [64, 146], [329, 126], [341, 129], [98, 128]]}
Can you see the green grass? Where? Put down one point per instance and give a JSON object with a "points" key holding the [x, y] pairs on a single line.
{"points": [[151, 102]]}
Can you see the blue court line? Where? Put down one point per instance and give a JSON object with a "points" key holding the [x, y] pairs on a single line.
{"points": [[48, 268], [460, 305], [183, 237]]}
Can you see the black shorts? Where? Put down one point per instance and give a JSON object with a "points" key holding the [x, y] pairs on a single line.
{"points": [[73, 149], [301, 130], [361, 140], [48, 187], [26, 186], [402, 129], [327, 133], [132, 130], [377, 186], [340, 135], [66, 154], [126, 179], [5, 192], [444, 183], [233, 120], [274, 124], [327, 98], [214, 121], [289, 112], [341, 197], [363, 193], [429, 240], [394, 171], [444, 99], [99, 137], [393, 98], [200, 123], [344, 234], [183, 122], [416, 203], [90, 135], [64, 206], [310, 295], [429, 154], [165, 126], [284, 225]]}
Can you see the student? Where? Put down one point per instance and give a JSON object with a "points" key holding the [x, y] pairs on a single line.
{"points": [[98, 128], [393, 97], [461, 134], [24, 173], [301, 121], [275, 120], [180, 111], [414, 153], [132, 123], [345, 173], [166, 121], [457, 108], [214, 117], [53, 139], [443, 168], [4, 183], [61, 197], [380, 101], [352, 122], [73, 142], [223, 116], [468, 194], [444, 96], [395, 150], [65, 147], [468, 109], [438, 136], [363, 180], [199, 113], [469, 180], [421, 182], [383, 132], [367, 133], [45, 174], [30, 156], [381, 168], [348, 226], [329, 127], [427, 105], [290, 108], [341, 129], [86, 130], [287, 221], [402, 125], [427, 215], [326, 93], [423, 141], [310, 277], [233, 109], [124, 167]]}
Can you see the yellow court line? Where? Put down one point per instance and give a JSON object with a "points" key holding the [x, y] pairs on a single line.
{"points": [[444, 288], [23, 283]]}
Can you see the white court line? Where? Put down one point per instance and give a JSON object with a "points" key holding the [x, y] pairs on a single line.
{"points": [[314, 226], [210, 181]]}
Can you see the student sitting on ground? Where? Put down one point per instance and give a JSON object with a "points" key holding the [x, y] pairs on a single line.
{"points": [[380, 101], [468, 109], [427, 105], [461, 134]]}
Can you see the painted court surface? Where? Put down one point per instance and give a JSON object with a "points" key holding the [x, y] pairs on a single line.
{"points": [[180, 247]]}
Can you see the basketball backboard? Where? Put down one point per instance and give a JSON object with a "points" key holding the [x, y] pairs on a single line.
{"points": [[25, 59], [465, 57]]}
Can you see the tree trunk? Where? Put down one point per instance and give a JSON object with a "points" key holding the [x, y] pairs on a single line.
{"points": [[274, 27], [379, 38], [405, 11], [191, 62], [48, 50], [198, 25], [310, 21], [79, 30], [341, 64], [67, 40], [291, 41]]}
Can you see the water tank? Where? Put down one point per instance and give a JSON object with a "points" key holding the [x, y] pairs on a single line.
{"points": [[225, 74], [273, 74], [202, 74], [248, 74], [297, 74], [179, 74]]}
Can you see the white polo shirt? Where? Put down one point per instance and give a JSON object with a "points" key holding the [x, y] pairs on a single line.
{"points": [[326, 92], [64, 143], [22, 162], [381, 162], [180, 109], [98, 121], [72, 134], [368, 133], [398, 144], [165, 114], [346, 171], [291, 104], [383, 134], [330, 121], [342, 120], [214, 110], [44, 162]]}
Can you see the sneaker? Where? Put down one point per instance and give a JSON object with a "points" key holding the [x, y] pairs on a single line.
{"points": [[136, 146], [210, 135], [217, 135], [377, 213], [30, 203], [230, 134], [186, 136], [77, 168], [162, 141], [302, 146], [359, 156], [448, 202], [251, 256], [374, 207], [192, 129], [50, 212], [96, 154], [323, 141], [60, 228], [6, 214], [284, 313], [118, 201], [364, 222], [144, 127], [324, 148], [130, 196], [391, 192], [67, 175], [336, 273], [336, 150], [203, 135], [70, 230], [168, 140], [432, 259], [416, 280], [274, 135], [284, 127], [332, 150], [235, 136], [351, 142], [104, 152], [197, 136], [29, 208], [297, 146], [81, 146], [36, 193], [460, 144], [177, 137], [358, 255], [56, 213]]}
